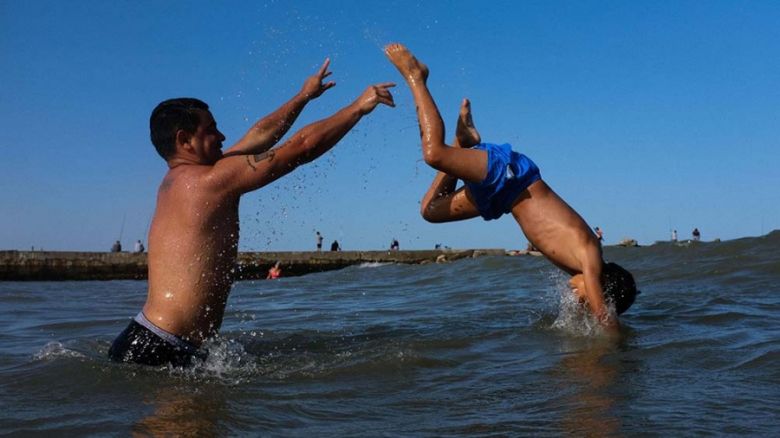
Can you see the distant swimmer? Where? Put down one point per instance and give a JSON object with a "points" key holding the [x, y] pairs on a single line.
{"points": [[275, 271], [499, 180], [193, 240]]}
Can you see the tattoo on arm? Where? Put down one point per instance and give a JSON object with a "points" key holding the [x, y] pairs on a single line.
{"points": [[268, 155], [265, 155], [249, 162]]}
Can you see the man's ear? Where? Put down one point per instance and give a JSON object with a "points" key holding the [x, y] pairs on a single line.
{"points": [[183, 138]]}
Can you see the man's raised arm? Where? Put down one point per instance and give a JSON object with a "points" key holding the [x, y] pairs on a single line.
{"points": [[241, 174], [271, 128]]}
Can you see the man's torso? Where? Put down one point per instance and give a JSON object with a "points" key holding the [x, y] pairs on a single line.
{"points": [[192, 253]]}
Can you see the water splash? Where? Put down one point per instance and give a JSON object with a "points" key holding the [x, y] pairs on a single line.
{"points": [[227, 362], [55, 349], [572, 317]]}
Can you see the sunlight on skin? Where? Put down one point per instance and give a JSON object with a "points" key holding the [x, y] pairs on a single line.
{"points": [[556, 229]]}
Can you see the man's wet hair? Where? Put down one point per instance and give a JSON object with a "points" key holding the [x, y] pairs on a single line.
{"points": [[170, 116], [619, 287]]}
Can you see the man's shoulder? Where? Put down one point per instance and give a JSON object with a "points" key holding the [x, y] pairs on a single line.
{"points": [[188, 173], [190, 178]]}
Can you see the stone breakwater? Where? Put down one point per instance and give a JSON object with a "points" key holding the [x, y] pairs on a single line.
{"points": [[57, 265]]}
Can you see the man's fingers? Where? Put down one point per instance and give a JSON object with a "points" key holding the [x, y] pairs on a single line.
{"points": [[384, 93], [330, 84], [326, 75], [387, 100], [385, 85], [324, 67]]}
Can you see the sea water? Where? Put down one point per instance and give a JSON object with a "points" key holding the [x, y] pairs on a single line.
{"points": [[492, 346]]}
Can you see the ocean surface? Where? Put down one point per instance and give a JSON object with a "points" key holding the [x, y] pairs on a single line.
{"points": [[492, 346]]}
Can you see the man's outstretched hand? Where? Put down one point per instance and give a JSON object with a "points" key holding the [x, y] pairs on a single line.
{"points": [[374, 95], [313, 87]]}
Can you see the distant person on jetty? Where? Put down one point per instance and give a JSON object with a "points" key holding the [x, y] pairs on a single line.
{"points": [[674, 235], [318, 236], [599, 234], [193, 239], [696, 234], [498, 181], [275, 271], [335, 246], [394, 245], [139, 247], [116, 247]]}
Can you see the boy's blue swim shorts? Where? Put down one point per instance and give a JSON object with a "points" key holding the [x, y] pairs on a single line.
{"points": [[509, 173]]}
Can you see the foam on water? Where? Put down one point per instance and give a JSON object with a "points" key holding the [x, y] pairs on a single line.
{"points": [[227, 362], [54, 350], [373, 264]]}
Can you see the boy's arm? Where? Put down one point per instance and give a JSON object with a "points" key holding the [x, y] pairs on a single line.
{"points": [[271, 128], [244, 173], [595, 296]]}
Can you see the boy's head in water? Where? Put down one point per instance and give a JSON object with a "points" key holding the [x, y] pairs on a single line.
{"points": [[618, 284]]}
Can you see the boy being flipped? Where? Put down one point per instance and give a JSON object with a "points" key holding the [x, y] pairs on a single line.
{"points": [[498, 180]]}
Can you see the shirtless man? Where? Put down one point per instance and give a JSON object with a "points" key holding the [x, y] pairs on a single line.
{"points": [[193, 241], [498, 181]]}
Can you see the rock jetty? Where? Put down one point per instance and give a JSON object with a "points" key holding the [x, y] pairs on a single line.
{"points": [[57, 265]]}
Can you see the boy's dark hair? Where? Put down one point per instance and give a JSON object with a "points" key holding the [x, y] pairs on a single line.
{"points": [[170, 116], [619, 286]]}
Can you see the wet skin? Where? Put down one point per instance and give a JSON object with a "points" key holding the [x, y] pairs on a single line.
{"points": [[547, 221], [194, 234], [193, 245]]}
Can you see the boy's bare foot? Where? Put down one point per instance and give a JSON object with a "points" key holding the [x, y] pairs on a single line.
{"points": [[410, 67], [466, 132]]}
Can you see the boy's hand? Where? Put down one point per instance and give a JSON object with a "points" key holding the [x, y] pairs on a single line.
{"points": [[588, 286], [313, 87], [609, 322], [373, 96], [577, 285]]}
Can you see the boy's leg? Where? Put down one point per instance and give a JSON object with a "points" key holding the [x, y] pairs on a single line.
{"points": [[466, 134], [440, 204], [466, 164]]}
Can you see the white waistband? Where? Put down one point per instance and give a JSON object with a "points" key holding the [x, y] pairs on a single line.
{"points": [[167, 336]]}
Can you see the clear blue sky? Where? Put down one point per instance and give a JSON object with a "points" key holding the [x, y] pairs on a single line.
{"points": [[642, 115]]}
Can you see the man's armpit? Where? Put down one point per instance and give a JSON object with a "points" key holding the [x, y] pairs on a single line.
{"points": [[166, 183]]}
